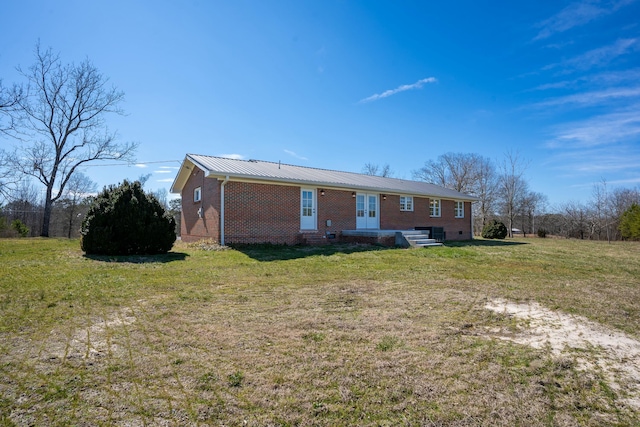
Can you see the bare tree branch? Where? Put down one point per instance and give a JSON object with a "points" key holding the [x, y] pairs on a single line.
{"points": [[512, 185], [63, 119], [457, 171], [375, 170]]}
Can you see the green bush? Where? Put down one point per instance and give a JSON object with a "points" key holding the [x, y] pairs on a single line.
{"points": [[542, 233], [20, 228], [123, 220], [494, 229], [630, 223]]}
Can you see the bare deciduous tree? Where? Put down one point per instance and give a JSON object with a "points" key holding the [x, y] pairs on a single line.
{"points": [[468, 173], [26, 205], [575, 217], [601, 208], [9, 99], [457, 171], [62, 124], [530, 204], [485, 190], [78, 189], [175, 210], [375, 170], [512, 186], [9, 102]]}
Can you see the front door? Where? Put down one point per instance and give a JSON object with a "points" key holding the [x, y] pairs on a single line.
{"points": [[367, 211], [308, 209]]}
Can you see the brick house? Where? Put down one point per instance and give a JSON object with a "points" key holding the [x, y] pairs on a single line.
{"points": [[252, 201]]}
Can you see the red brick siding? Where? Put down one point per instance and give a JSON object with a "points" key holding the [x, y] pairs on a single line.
{"points": [[454, 228], [392, 218], [259, 213], [193, 227], [339, 206]]}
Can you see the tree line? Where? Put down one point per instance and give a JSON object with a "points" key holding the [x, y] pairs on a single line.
{"points": [[504, 194], [23, 213]]}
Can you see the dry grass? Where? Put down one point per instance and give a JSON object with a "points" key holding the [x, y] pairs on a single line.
{"points": [[348, 335]]}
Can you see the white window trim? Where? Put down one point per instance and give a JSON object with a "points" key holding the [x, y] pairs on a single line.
{"points": [[461, 215], [437, 214], [197, 194], [406, 198]]}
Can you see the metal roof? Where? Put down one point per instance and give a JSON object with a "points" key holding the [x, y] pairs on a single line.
{"points": [[262, 171]]}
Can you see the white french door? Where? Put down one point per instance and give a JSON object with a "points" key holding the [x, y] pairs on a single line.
{"points": [[367, 207], [308, 209]]}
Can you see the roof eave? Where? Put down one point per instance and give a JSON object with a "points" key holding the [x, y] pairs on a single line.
{"points": [[183, 174], [333, 185]]}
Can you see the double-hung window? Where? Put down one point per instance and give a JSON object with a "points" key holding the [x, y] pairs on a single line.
{"points": [[406, 203], [459, 209], [434, 207], [197, 194]]}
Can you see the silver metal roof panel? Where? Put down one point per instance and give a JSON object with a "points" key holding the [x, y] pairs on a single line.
{"points": [[281, 172]]}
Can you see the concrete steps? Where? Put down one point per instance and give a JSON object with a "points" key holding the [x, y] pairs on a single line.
{"points": [[418, 239]]}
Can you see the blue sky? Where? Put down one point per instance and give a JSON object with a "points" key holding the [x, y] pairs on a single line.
{"points": [[336, 84]]}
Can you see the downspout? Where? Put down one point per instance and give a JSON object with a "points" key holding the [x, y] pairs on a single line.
{"points": [[226, 179]]}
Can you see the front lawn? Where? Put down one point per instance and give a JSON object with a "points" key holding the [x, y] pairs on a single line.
{"points": [[338, 335]]}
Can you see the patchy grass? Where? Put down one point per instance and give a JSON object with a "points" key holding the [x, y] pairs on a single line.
{"points": [[339, 335]]}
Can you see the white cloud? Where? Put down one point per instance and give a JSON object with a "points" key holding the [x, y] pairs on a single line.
{"points": [[602, 55], [387, 93], [575, 15], [291, 153], [607, 78], [165, 180], [617, 163], [163, 171], [140, 165], [232, 156], [557, 85], [592, 98], [599, 57], [625, 182], [599, 130]]}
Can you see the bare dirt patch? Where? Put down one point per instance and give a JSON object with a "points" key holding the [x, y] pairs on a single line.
{"points": [[592, 345], [92, 340]]}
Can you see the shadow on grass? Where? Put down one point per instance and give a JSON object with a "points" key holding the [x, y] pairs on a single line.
{"points": [[140, 259], [269, 252], [482, 242]]}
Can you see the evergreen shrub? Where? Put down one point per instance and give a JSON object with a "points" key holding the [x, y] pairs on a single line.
{"points": [[630, 223], [20, 228], [124, 220], [494, 229]]}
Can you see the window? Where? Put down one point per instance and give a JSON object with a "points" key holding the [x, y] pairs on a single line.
{"points": [[459, 209], [197, 194], [406, 203], [307, 203], [434, 207], [360, 206]]}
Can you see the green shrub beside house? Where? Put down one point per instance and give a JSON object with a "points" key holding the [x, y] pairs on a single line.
{"points": [[124, 220]]}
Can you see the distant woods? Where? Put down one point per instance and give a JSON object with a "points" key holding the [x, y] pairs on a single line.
{"points": [[505, 194]]}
